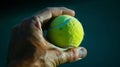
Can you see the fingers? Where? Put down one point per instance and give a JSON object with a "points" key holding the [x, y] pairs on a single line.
{"points": [[43, 16], [56, 11], [51, 12], [73, 54]]}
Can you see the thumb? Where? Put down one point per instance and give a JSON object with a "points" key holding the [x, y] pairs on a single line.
{"points": [[73, 54]]}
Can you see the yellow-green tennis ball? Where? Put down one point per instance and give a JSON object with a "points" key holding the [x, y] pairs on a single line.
{"points": [[65, 31]]}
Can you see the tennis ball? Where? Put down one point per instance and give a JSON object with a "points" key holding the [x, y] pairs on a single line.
{"points": [[65, 31]]}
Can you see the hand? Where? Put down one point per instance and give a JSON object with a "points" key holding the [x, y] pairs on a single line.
{"points": [[29, 48]]}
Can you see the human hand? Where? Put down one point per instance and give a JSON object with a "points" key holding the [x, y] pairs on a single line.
{"points": [[29, 48]]}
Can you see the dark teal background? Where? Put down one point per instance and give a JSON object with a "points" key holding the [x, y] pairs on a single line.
{"points": [[100, 19]]}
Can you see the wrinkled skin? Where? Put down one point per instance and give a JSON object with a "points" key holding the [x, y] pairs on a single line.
{"points": [[29, 48]]}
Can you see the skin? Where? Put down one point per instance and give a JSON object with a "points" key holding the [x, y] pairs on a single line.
{"points": [[29, 48]]}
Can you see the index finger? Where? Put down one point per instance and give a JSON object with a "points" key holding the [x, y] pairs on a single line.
{"points": [[51, 12]]}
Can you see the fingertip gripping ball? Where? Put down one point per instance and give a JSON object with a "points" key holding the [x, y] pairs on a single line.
{"points": [[65, 31]]}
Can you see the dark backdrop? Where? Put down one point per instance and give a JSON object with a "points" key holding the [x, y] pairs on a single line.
{"points": [[100, 19]]}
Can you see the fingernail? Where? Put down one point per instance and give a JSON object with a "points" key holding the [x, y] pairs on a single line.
{"points": [[83, 52]]}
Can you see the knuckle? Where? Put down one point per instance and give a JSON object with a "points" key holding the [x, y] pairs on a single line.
{"points": [[63, 7], [48, 8], [34, 18], [14, 29], [71, 54]]}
